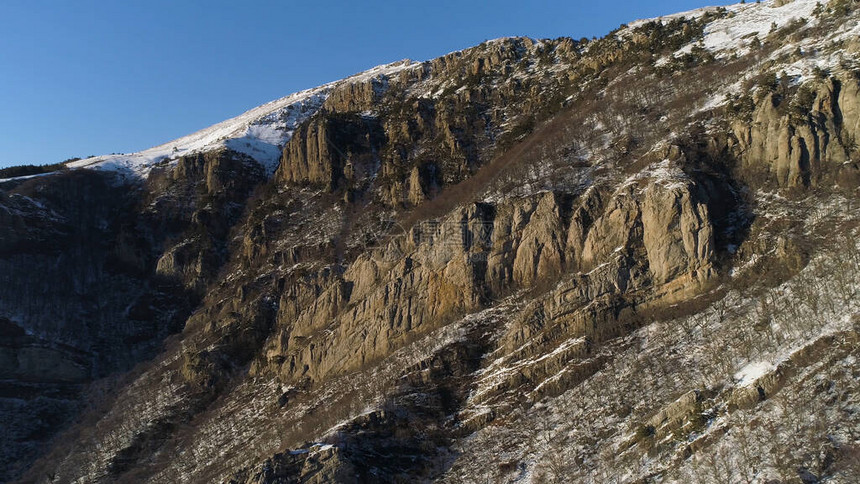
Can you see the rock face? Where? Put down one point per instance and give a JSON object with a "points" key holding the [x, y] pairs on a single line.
{"points": [[447, 268], [805, 137], [192, 206], [442, 251], [315, 465], [677, 234], [78, 301], [332, 151], [117, 269]]}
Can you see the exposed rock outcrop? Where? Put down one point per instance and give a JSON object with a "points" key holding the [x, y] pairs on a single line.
{"points": [[442, 251], [192, 205], [316, 464], [805, 136], [333, 151]]}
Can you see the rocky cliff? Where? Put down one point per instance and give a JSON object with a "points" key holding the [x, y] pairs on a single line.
{"points": [[551, 260]]}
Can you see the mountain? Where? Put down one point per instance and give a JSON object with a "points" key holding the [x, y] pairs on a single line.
{"points": [[626, 259]]}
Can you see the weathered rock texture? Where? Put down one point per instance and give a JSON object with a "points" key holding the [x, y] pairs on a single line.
{"points": [[805, 137], [440, 252]]}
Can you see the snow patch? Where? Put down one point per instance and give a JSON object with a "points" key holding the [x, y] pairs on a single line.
{"points": [[752, 19], [747, 375], [742, 21], [260, 133]]}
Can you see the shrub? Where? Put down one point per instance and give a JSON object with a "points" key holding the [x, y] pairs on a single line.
{"points": [[802, 102], [27, 170], [645, 432], [820, 73], [755, 43], [768, 81], [741, 107], [842, 7]]}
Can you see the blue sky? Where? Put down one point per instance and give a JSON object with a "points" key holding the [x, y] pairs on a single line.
{"points": [[84, 77]]}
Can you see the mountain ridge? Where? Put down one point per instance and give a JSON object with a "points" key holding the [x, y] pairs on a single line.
{"points": [[227, 133], [625, 259]]}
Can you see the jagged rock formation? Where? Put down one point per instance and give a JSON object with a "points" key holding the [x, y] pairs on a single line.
{"points": [[813, 139], [456, 266], [196, 201]]}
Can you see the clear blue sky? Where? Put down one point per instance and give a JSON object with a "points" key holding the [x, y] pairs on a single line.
{"points": [[87, 77]]}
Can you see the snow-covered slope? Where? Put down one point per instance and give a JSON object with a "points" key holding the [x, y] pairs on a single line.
{"points": [[740, 28], [260, 133], [734, 32], [747, 20], [744, 20]]}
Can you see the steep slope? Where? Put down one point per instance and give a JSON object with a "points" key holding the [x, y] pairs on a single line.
{"points": [[259, 133], [101, 265], [628, 259]]}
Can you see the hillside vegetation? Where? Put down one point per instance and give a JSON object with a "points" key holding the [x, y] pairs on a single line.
{"points": [[627, 259]]}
